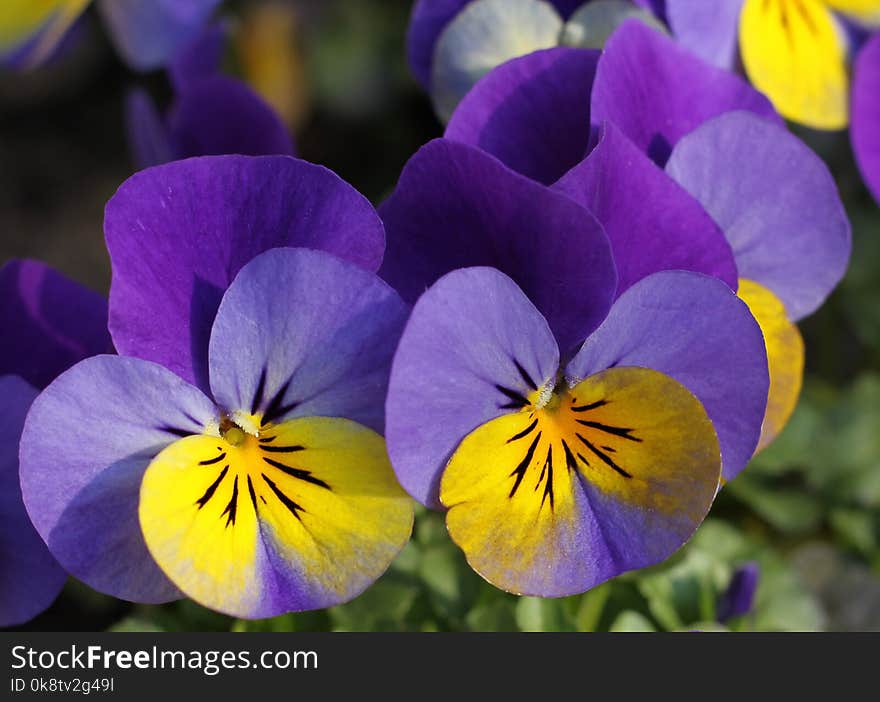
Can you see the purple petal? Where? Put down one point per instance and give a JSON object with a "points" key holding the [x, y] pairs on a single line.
{"points": [[148, 138], [49, 322], [301, 333], [86, 443], [179, 233], [653, 223], [739, 597], [220, 115], [694, 329], [776, 202], [655, 91], [456, 206], [866, 114], [200, 58], [30, 579], [532, 113], [147, 33], [462, 344], [709, 29]]}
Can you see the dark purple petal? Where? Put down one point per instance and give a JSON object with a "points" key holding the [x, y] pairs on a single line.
{"points": [[776, 202], [86, 443], [179, 233], [697, 331], [655, 91], [866, 114], [200, 58], [48, 322], [147, 33], [709, 29], [472, 345], [739, 597], [456, 206], [30, 578], [652, 222], [220, 115], [533, 113], [301, 333], [148, 137]]}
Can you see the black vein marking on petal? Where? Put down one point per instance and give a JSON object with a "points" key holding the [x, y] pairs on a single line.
{"points": [[524, 433], [614, 431], [264, 500], [593, 405], [604, 457], [232, 506], [523, 466], [252, 494], [183, 433], [517, 401], [268, 439], [805, 16], [294, 508], [258, 393], [276, 409], [609, 448], [212, 461], [570, 461], [584, 459], [298, 473], [524, 375], [212, 488], [282, 449], [548, 485]]}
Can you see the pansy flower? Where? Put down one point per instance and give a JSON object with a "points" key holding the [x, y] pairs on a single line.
{"points": [[233, 455], [865, 131], [778, 209], [146, 33], [738, 598], [211, 114], [794, 51], [452, 43], [49, 323]]}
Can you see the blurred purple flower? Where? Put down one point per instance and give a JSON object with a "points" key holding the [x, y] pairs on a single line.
{"points": [[739, 597], [866, 114]]}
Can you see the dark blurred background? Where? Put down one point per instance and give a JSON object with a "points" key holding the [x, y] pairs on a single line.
{"points": [[807, 510]]}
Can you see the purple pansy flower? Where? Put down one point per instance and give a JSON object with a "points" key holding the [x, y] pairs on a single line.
{"points": [[211, 114], [779, 209], [866, 114], [49, 324], [146, 33], [241, 462], [560, 472], [739, 597]]}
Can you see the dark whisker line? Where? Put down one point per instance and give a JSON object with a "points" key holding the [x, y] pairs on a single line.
{"points": [[212, 488], [520, 470], [233, 504], [524, 433], [584, 459], [252, 493], [593, 405], [183, 433], [614, 431], [298, 473], [212, 461], [604, 457], [258, 393], [282, 449], [548, 486], [570, 461], [516, 400], [525, 376], [294, 508], [275, 408], [268, 439]]}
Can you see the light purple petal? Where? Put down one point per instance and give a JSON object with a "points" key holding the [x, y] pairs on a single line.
{"points": [[456, 206], [301, 333], [48, 322], [462, 343], [147, 33], [179, 233], [653, 223], [199, 58], [866, 114], [86, 443], [532, 113], [218, 115], [694, 329], [776, 202], [655, 91], [709, 29], [148, 138], [30, 579]]}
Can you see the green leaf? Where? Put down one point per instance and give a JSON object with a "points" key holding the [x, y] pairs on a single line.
{"points": [[543, 614], [632, 621]]}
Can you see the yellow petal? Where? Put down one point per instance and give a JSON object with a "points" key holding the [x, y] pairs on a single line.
{"points": [[795, 53], [20, 20], [785, 357]]}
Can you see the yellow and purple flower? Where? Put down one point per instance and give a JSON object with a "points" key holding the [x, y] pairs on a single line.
{"points": [[233, 453], [49, 323]]}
